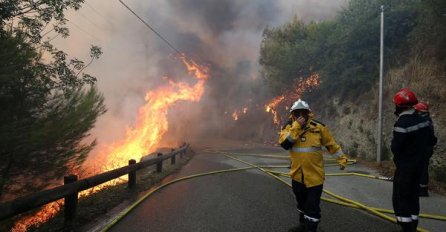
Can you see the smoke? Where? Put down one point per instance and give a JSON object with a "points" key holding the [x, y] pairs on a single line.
{"points": [[223, 34]]}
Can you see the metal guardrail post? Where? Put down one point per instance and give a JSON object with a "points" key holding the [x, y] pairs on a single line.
{"points": [[159, 165], [132, 176], [70, 203], [172, 161]]}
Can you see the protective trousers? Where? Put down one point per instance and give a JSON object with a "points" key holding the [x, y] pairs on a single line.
{"points": [[405, 197], [424, 178], [308, 200]]}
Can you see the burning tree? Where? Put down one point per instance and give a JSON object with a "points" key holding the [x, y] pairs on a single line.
{"points": [[47, 107]]}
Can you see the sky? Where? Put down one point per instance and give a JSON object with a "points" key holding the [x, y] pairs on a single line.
{"points": [[223, 34]]}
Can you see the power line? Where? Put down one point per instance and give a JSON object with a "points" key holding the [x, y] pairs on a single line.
{"points": [[152, 29], [106, 19], [84, 31]]}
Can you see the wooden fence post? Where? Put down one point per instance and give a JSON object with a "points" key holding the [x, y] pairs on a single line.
{"points": [[70, 203], [159, 165], [132, 176], [172, 161]]}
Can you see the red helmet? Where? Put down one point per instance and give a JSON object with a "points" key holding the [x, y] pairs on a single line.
{"points": [[422, 107], [405, 97]]}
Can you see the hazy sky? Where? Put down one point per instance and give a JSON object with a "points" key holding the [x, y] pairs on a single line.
{"points": [[225, 34]]}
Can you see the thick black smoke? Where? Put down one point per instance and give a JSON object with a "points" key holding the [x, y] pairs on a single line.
{"points": [[223, 34]]}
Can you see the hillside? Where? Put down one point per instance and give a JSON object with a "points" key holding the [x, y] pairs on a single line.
{"points": [[345, 53]]}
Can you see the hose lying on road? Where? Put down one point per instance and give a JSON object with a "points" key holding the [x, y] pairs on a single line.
{"points": [[132, 206], [342, 201], [359, 205]]}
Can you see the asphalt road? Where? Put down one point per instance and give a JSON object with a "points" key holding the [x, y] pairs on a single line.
{"points": [[253, 201]]}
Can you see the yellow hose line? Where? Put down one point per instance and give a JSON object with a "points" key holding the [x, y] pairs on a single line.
{"points": [[285, 157], [362, 206], [341, 174], [345, 202], [258, 167], [369, 209], [423, 215], [131, 207]]}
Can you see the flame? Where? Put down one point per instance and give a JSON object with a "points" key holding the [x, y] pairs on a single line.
{"points": [[151, 123], [305, 84], [47, 212], [272, 107], [141, 139], [302, 85], [235, 116]]}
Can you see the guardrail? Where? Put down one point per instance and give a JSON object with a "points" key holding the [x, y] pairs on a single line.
{"points": [[72, 186]]}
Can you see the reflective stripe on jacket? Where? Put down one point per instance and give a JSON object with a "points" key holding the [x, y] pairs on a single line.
{"points": [[413, 135], [306, 155]]}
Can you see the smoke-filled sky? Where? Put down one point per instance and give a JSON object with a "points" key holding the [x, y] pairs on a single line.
{"points": [[224, 34]]}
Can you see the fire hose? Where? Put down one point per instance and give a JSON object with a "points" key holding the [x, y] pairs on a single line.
{"points": [[340, 200]]}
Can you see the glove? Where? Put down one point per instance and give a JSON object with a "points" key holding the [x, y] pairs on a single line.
{"points": [[295, 129], [342, 161]]}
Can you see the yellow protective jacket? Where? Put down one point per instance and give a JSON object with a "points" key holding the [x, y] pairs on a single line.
{"points": [[305, 147]]}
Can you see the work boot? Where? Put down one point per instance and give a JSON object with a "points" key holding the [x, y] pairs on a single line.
{"points": [[407, 226], [423, 192], [414, 225], [299, 228], [311, 226]]}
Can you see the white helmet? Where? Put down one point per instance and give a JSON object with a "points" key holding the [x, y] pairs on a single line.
{"points": [[300, 105]]}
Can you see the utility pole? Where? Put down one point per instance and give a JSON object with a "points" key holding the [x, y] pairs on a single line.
{"points": [[380, 106]]}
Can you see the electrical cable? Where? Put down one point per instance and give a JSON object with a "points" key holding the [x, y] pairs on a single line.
{"points": [[152, 29]]}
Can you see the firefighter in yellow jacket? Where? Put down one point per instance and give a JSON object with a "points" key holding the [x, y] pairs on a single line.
{"points": [[305, 137]]}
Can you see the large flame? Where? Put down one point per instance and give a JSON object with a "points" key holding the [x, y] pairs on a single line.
{"points": [[151, 123], [302, 85], [141, 139]]}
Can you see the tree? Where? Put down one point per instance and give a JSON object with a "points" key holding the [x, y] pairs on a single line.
{"points": [[344, 50], [47, 107]]}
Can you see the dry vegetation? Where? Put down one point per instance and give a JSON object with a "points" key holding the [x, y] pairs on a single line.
{"points": [[92, 209], [354, 121]]}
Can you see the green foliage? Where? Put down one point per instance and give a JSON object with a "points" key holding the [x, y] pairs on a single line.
{"points": [[43, 120], [345, 50], [291, 52], [429, 36], [47, 107], [34, 16]]}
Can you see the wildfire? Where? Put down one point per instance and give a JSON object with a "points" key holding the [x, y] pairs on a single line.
{"points": [[305, 84], [302, 85], [236, 113], [235, 116], [272, 107], [46, 213], [151, 123], [141, 139]]}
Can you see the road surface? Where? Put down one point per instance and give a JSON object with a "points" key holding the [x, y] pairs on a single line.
{"points": [[250, 200]]}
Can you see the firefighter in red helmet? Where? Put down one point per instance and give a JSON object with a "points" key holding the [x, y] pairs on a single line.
{"points": [[411, 137], [423, 109]]}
